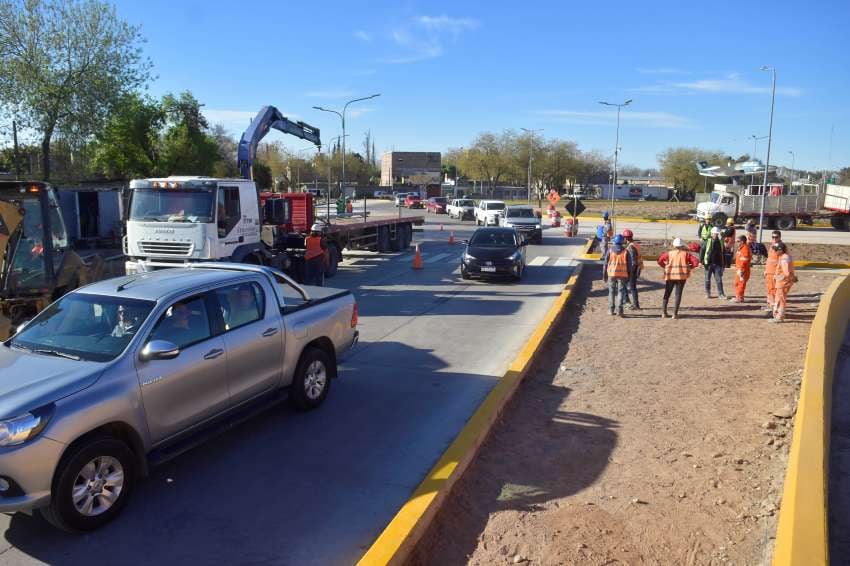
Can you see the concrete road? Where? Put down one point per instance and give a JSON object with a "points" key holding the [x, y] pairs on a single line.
{"points": [[317, 488]]}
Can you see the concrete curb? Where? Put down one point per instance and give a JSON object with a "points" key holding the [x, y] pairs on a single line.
{"points": [[802, 535], [399, 538]]}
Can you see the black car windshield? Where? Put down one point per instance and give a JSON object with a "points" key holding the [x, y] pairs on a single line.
{"points": [[440, 200], [89, 327], [494, 238], [520, 213], [172, 205]]}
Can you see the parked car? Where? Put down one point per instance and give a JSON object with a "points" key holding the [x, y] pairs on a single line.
{"points": [[437, 205], [488, 211], [524, 220], [129, 372], [413, 200], [461, 209], [381, 194], [493, 252], [399, 199]]}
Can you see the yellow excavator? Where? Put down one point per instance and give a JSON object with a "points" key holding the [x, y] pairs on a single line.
{"points": [[38, 264]]}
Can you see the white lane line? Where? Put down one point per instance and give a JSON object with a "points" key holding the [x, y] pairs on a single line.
{"points": [[438, 257], [564, 262], [539, 260]]}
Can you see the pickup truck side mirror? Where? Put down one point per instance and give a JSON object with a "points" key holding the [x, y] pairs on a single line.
{"points": [[159, 350]]}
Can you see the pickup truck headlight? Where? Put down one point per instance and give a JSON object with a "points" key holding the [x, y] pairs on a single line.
{"points": [[507, 224], [25, 427], [537, 227]]}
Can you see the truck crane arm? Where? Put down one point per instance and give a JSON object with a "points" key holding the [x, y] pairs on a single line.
{"points": [[270, 117]]}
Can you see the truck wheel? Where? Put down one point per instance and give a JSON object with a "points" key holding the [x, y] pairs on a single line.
{"points": [[92, 484], [312, 379], [333, 261], [718, 220], [786, 223], [840, 222], [383, 239], [408, 236]]}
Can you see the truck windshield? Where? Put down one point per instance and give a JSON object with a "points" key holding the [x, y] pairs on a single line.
{"points": [[715, 197], [520, 213], [172, 205], [495, 206], [87, 327]]}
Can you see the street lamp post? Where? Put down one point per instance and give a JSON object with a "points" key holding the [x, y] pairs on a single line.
{"points": [[756, 140], [530, 154], [767, 158], [793, 171], [342, 117], [328, 192], [616, 147]]}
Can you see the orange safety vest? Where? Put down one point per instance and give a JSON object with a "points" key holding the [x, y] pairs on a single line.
{"points": [[313, 247], [772, 261], [677, 268], [618, 267]]}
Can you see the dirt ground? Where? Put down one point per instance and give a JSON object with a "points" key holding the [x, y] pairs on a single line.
{"points": [[828, 253], [638, 440]]}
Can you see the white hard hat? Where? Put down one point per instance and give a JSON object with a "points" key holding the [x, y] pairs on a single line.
{"points": [[677, 242], [715, 230], [316, 227]]}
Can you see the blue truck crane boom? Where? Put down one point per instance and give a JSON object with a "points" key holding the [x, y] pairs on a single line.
{"points": [[270, 117]]}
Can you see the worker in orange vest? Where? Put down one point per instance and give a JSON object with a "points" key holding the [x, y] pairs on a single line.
{"points": [[314, 257], [770, 270], [633, 249], [678, 264], [784, 279], [618, 268], [349, 207], [743, 261]]}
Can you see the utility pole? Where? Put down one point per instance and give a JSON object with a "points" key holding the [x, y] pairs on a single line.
{"points": [[767, 158], [530, 156], [15, 150], [616, 149]]}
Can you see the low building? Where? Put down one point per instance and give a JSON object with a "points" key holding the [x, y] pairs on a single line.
{"points": [[411, 168]]}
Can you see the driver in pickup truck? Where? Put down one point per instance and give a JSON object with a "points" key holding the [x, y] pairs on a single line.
{"points": [[314, 257]]}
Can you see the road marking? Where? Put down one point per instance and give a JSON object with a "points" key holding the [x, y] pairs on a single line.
{"points": [[564, 262], [539, 260], [437, 258]]}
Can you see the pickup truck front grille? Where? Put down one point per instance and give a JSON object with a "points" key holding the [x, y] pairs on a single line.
{"points": [[166, 248]]}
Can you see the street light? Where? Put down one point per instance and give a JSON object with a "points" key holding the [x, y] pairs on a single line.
{"points": [[793, 158], [767, 159], [616, 147], [530, 152], [328, 192], [342, 117]]}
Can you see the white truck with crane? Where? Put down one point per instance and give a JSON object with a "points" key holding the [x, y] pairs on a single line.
{"points": [[173, 221]]}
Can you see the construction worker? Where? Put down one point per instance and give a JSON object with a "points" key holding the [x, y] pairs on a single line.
{"points": [[633, 249], [743, 261], [618, 268], [751, 229], [714, 263], [704, 230], [729, 234], [784, 278], [770, 270], [678, 264], [608, 230], [349, 206], [314, 257]]}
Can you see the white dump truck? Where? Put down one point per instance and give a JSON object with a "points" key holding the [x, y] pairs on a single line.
{"points": [[784, 207]]}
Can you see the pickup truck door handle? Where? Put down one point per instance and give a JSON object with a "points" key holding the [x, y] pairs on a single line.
{"points": [[270, 332], [213, 354]]}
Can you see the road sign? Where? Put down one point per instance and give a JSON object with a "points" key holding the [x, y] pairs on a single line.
{"points": [[574, 206], [553, 197]]}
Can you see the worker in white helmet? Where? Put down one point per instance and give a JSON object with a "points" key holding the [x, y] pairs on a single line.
{"points": [[315, 249]]}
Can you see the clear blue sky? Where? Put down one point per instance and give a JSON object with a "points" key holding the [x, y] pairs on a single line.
{"points": [[449, 70]]}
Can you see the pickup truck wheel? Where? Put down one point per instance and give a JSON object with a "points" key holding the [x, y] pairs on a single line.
{"points": [[312, 380], [786, 223], [92, 484]]}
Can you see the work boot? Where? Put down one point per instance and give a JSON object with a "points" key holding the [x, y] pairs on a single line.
{"points": [[611, 313], [665, 315], [708, 295]]}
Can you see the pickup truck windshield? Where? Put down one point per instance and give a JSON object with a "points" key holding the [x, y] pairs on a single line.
{"points": [[520, 213], [87, 327], [172, 205], [493, 238], [715, 197], [465, 203], [495, 206]]}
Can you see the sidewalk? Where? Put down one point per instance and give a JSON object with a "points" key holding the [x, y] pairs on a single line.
{"points": [[839, 460]]}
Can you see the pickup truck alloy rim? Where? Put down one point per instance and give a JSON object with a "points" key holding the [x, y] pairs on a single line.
{"points": [[316, 379], [98, 486]]}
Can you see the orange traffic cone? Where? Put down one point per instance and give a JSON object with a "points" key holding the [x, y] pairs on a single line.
{"points": [[417, 258], [452, 237]]}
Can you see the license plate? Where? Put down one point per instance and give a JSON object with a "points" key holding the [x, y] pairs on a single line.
{"points": [[489, 269]]}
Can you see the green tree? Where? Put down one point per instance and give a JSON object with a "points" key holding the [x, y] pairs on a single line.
{"points": [[844, 176], [679, 166], [64, 64], [128, 145], [187, 147], [227, 148], [262, 176]]}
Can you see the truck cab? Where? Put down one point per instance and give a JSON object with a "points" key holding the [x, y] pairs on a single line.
{"points": [[722, 203], [178, 220]]}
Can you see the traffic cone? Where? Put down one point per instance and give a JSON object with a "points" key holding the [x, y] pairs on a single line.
{"points": [[417, 258], [441, 227], [452, 237]]}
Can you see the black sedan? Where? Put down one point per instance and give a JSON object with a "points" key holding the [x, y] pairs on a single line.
{"points": [[493, 252]]}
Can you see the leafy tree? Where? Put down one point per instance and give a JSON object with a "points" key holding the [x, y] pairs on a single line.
{"points": [[128, 146], [187, 148], [844, 176], [262, 176], [64, 64], [227, 149], [679, 166]]}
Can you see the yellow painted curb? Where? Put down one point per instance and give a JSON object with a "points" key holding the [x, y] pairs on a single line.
{"points": [[399, 538], [802, 537], [824, 264]]}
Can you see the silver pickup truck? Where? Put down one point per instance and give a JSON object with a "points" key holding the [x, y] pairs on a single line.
{"points": [[129, 372]]}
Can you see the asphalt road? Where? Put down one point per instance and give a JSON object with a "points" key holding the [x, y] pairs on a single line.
{"points": [[317, 488], [839, 459]]}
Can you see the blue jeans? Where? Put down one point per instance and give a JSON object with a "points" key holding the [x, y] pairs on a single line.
{"points": [[616, 288], [717, 272]]}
